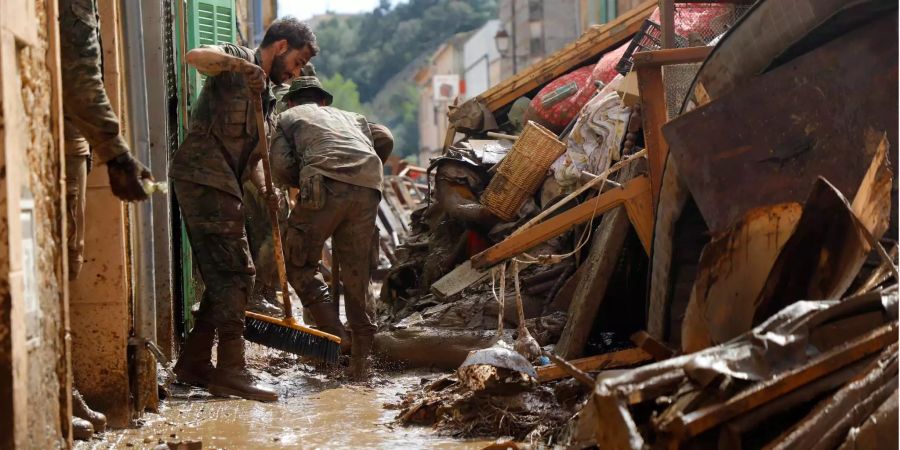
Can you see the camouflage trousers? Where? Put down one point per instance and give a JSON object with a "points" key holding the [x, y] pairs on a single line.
{"points": [[259, 233], [348, 216], [215, 226], [76, 188]]}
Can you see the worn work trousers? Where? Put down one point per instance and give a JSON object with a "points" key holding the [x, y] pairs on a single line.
{"points": [[349, 217], [215, 226], [76, 188]]}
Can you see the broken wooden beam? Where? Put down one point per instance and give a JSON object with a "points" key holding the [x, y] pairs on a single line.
{"points": [[560, 223], [622, 358], [653, 347], [694, 423], [607, 245]]}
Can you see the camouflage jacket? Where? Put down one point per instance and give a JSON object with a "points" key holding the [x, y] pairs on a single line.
{"points": [[222, 133], [311, 139], [88, 113]]}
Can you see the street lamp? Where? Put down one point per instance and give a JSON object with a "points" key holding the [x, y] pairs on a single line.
{"points": [[501, 40]]}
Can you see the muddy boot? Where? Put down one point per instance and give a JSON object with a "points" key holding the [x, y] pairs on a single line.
{"points": [[231, 377], [81, 410], [82, 429], [326, 319], [360, 367], [194, 366], [263, 301]]}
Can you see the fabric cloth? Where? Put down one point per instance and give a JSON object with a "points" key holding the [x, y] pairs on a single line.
{"points": [[222, 134], [86, 106], [214, 220], [349, 216], [311, 139], [76, 187], [595, 138]]}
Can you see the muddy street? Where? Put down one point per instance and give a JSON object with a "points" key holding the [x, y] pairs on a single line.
{"points": [[316, 410]]}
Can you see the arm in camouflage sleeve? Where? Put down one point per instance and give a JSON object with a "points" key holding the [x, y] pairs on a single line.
{"points": [[285, 167], [84, 98]]}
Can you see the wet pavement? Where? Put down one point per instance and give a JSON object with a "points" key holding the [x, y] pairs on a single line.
{"points": [[315, 411]]}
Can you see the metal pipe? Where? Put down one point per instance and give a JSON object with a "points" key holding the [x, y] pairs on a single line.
{"points": [[156, 71], [139, 132]]}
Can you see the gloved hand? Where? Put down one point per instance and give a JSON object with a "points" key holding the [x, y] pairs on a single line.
{"points": [[256, 77], [125, 175]]}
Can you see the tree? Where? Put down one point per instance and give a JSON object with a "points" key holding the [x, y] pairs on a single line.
{"points": [[345, 93]]}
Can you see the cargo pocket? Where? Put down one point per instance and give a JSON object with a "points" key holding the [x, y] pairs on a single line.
{"points": [[298, 242], [234, 120], [230, 253]]}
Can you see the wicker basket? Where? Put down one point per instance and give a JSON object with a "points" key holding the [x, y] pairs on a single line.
{"points": [[522, 171]]}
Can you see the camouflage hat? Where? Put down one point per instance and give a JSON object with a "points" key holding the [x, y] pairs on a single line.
{"points": [[301, 83]]}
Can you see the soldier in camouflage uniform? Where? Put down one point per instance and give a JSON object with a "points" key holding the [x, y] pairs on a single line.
{"points": [[259, 227], [208, 170], [91, 133], [330, 155], [91, 126]]}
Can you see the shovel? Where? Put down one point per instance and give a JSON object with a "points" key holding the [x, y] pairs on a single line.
{"points": [[500, 354]]}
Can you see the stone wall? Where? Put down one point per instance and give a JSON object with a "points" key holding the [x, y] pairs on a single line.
{"points": [[43, 325]]}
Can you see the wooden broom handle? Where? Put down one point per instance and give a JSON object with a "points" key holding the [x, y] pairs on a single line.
{"points": [[272, 202]]}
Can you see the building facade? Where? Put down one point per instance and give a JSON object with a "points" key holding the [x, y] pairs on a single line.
{"points": [[538, 28]]}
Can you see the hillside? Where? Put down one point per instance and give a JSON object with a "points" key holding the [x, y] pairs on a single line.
{"points": [[362, 56]]}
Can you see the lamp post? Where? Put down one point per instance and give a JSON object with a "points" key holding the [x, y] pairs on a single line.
{"points": [[503, 39]]}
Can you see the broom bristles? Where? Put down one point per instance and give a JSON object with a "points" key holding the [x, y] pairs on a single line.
{"points": [[281, 336]]}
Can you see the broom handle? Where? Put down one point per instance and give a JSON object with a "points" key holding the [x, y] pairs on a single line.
{"points": [[272, 202]]}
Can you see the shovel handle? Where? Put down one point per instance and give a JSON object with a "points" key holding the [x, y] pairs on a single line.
{"points": [[272, 202]]}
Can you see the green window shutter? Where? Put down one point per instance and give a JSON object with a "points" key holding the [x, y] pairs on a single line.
{"points": [[211, 22]]}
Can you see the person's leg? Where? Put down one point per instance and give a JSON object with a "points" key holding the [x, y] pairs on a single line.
{"points": [[352, 241], [305, 236], [76, 186], [215, 225]]}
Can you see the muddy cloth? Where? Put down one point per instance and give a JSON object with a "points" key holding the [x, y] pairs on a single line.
{"points": [[86, 107], [222, 133], [349, 216], [77, 154], [215, 226], [321, 140]]}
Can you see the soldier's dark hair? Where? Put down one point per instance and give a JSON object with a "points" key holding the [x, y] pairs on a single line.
{"points": [[297, 34]]}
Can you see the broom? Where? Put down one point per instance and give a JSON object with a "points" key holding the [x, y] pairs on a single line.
{"points": [[284, 334]]}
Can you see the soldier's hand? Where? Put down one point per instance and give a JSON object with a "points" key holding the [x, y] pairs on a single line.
{"points": [[125, 176], [256, 77]]}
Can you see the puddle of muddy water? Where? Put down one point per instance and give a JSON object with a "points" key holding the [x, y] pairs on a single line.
{"points": [[314, 412]]}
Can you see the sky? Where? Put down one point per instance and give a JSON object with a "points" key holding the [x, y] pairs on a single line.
{"points": [[304, 9]]}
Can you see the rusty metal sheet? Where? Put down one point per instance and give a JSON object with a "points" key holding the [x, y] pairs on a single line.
{"points": [[768, 141], [822, 256], [732, 271]]}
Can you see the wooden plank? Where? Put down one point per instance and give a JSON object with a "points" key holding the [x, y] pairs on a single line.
{"points": [[458, 279], [648, 66], [561, 223], [654, 114], [640, 213], [703, 419], [622, 358], [607, 245], [591, 44], [647, 343]]}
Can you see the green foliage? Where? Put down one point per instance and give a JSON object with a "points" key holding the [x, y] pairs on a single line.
{"points": [[346, 95], [362, 53]]}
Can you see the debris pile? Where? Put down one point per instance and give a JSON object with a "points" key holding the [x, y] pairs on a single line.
{"points": [[676, 255], [804, 378]]}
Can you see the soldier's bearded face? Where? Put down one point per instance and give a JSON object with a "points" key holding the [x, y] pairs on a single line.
{"points": [[287, 66]]}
